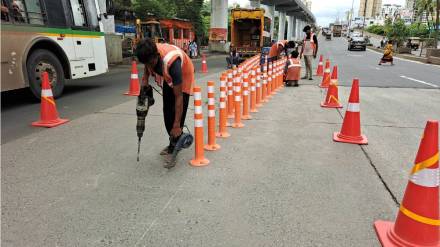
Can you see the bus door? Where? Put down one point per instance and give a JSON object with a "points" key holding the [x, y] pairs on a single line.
{"points": [[82, 43]]}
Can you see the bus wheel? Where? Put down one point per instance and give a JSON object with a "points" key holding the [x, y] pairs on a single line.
{"points": [[45, 61]]}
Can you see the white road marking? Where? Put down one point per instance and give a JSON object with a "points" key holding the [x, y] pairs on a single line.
{"points": [[352, 55], [374, 67], [419, 81]]}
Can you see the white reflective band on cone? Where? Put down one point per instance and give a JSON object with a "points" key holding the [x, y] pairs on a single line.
{"points": [[197, 96], [134, 76], [426, 177], [245, 84], [327, 70], [223, 94], [210, 89], [264, 82], [333, 81], [230, 92], [253, 80], [237, 98], [198, 110], [246, 92], [211, 101], [253, 88], [46, 93], [198, 122], [320, 63], [203, 61], [222, 105], [230, 75], [258, 78], [211, 113], [222, 83], [258, 84], [237, 89], [229, 83], [353, 107]]}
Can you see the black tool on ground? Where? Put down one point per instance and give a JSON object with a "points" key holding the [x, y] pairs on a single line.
{"points": [[145, 100], [185, 140]]}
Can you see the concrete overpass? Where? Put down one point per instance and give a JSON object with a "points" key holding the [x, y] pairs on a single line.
{"points": [[294, 12]]}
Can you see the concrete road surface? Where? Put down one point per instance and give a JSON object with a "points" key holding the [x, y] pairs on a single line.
{"points": [[280, 181]]}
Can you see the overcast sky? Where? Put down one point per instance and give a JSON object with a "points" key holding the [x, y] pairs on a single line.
{"points": [[326, 11]]}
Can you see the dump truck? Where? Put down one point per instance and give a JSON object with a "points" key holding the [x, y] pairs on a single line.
{"points": [[247, 31], [337, 30]]}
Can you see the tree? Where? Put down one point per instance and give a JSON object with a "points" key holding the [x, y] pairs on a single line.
{"points": [[397, 31], [158, 8]]}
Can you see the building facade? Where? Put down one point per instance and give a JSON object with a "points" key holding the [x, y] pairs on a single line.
{"points": [[370, 8]]}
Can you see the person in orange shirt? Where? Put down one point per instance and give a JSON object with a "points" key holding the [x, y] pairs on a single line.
{"points": [[292, 70], [174, 71], [278, 47]]}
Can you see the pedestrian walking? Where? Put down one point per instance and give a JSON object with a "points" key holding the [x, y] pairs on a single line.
{"points": [[174, 72], [292, 70], [309, 50], [387, 54]]}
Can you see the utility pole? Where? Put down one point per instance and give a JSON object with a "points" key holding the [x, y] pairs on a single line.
{"points": [[437, 24], [351, 16], [365, 13]]}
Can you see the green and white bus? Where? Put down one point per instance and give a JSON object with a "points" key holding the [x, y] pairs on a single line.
{"points": [[63, 37]]}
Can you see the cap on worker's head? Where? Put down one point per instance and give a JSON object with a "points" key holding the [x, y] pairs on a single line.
{"points": [[146, 49], [307, 28], [291, 44], [294, 53]]}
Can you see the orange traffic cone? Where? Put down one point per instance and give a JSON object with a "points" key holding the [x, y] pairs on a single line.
{"points": [[331, 100], [320, 69], [199, 157], [204, 64], [134, 88], [326, 77], [418, 220], [48, 109], [351, 127]]}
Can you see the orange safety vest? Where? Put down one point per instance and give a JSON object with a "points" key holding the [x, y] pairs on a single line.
{"points": [[293, 70], [273, 52], [169, 54], [309, 45]]}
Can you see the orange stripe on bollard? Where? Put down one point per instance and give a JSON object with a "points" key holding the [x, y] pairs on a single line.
{"points": [[212, 145], [223, 118], [199, 158]]}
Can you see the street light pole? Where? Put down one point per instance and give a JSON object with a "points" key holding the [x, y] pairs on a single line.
{"points": [[437, 24], [351, 16], [365, 13]]}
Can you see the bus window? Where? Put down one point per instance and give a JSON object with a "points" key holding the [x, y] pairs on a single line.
{"points": [[186, 33], [55, 13], [79, 17], [5, 11], [33, 11]]}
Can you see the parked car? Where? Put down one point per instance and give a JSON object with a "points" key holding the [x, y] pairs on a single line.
{"points": [[357, 42]]}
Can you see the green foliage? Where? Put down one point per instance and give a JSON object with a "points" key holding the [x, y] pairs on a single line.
{"points": [[376, 29], [418, 29], [428, 7], [397, 32], [158, 8]]}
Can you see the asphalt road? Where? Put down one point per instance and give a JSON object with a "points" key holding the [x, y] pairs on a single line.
{"points": [[280, 181], [364, 65], [81, 97]]}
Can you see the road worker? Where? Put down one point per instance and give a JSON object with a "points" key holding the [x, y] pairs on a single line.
{"points": [[174, 72], [278, 47], [309, 50], [292, 70]]}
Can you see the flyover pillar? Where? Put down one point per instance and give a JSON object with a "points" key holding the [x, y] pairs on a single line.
{"points": [[294, 34], [272, 23], [289, 27], [281, 25], [218, 32]]}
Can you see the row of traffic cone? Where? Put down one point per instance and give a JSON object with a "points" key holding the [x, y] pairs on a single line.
{"points": [[242, 90], [418, 219]]}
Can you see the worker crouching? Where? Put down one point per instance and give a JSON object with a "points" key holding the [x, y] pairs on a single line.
{"points": [[292, 70]]}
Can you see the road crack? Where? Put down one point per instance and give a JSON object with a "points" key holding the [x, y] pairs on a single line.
{"points": [[384, 183]]}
